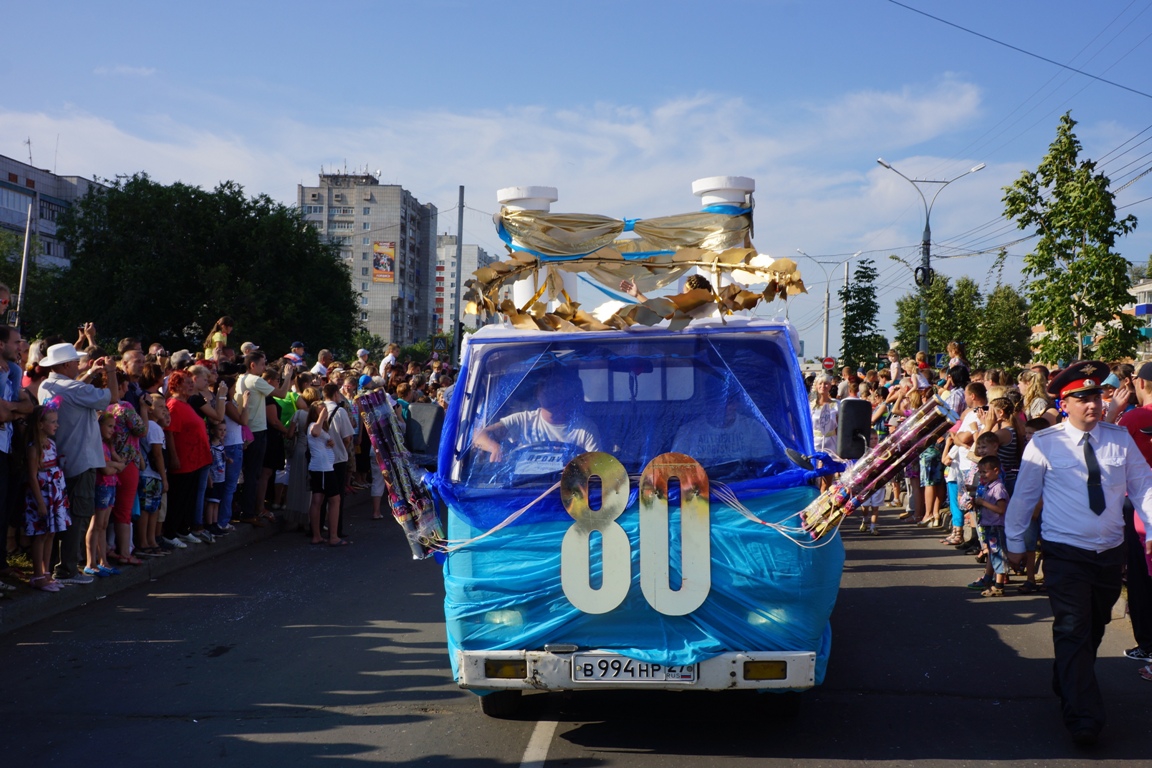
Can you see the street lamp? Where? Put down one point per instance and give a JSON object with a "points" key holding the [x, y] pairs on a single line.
{"points": [[827, 291], [923, 274]]}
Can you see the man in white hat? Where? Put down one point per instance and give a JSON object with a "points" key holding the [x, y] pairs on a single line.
{"points": [[361, 361], [78, 443]]}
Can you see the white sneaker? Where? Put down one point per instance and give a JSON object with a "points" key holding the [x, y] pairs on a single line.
{"points": [[190, 538], [204, 536], [173, 543]]}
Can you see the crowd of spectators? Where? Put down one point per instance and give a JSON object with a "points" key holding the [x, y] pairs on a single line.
{"points": [[963, 483], [111, 457]]}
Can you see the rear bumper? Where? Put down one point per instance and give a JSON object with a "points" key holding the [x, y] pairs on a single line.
{"points": [[553, 672]]}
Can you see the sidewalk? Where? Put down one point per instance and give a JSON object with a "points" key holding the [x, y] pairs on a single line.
{"points": [[27, 605]]}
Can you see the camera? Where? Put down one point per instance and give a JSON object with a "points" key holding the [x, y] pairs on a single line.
{"points": [[230, 369]]}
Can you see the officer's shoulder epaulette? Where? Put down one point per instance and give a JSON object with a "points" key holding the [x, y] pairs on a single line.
{"points": [[1114, 427], [1055, 429]]}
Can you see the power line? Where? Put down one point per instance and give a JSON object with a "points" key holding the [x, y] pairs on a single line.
{"points": [[1021, 50], [1144, 200], [973, 148]]}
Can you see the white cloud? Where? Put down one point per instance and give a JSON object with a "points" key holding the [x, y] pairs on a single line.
{"points": [[819, 187], [900, 118]]}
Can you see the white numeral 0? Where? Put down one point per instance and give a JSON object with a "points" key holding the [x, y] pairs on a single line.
{"points": [[695, 534]]}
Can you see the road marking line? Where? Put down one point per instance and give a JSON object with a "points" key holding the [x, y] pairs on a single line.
{"points": [[537, 750]]}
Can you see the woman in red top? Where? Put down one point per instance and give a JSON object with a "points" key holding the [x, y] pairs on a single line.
{"points": [[188, 458]]}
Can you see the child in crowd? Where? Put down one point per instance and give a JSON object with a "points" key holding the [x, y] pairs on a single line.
{"points": [[1032, 532], [991, 501], [950, 458], [986, 444], [870, 514], [914, 498], [216, 474], [106, 482], [46, 503], [153, 482]]}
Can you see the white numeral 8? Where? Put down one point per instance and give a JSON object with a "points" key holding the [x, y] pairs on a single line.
{"points": [[655, 568]]}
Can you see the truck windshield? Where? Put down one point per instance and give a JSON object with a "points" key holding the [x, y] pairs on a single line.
{"points": [[732, 401]]}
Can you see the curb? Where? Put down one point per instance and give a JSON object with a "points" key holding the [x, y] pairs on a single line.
{"points": [[27, 605]]}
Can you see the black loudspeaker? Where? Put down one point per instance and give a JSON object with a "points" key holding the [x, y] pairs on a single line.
{"points": [[853, 427], [425, 421]]}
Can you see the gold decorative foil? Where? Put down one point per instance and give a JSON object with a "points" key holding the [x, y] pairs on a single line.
{"points": [[574, 484]]}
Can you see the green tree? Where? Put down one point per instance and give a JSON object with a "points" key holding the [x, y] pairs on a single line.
{"points": [[1077, 283], [943, 326], [1003, 333], [162, 262], [364, 339], [941, 317], [967, 309], [907, 326], [861, 337], [41, 278], [1139, 272]]}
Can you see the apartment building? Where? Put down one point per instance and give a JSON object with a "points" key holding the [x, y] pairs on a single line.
{"points": [[472, 257], [386, 236], [23, 185]]}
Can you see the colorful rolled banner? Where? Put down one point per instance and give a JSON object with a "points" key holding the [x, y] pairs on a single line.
{"points": [[411, 503], [924, 427]]}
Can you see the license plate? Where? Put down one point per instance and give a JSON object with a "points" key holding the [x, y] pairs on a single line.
{"points": [[600, 668]]}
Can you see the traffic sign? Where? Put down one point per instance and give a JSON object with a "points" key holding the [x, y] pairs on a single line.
{"points": [[829, 363], [439, 344]]}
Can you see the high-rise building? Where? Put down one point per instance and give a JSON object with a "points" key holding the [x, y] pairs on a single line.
{"points": [[472, 257], [49, 195], [386, 236]]}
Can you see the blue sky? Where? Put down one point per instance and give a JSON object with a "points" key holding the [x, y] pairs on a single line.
{"points": [[620, 105]]}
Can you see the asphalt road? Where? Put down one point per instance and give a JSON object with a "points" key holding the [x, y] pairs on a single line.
{"points": [[283, 654]]}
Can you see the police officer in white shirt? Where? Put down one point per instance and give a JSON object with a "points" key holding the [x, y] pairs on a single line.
{"points": [[1081, 469]]}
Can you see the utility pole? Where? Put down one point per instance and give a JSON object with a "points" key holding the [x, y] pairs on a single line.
{"points": [[23, 269], [923, 274], [457, 321], [828, 292]]}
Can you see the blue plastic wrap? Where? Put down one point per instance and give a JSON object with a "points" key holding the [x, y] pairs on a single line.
{"points": [[646, 394], [768, 593]]}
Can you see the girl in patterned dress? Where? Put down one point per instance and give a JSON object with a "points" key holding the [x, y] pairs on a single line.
{"points": [[46, 502]]}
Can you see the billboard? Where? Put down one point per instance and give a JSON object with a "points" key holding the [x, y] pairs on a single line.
{"points": [[383, 262]]}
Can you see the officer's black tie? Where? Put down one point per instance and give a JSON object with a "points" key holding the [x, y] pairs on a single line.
{"points": [[1095, 489]]}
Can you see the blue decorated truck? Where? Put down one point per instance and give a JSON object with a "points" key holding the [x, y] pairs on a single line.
{"points": [[622, 493]]}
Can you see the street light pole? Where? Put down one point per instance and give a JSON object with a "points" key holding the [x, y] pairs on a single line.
{"points": [[923, 275]]}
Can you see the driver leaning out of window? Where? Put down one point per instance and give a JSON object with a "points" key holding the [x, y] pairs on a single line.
{"points": [[557, 420]]}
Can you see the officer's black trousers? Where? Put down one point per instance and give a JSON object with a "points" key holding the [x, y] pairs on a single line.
{"points": [[1082, 587]]}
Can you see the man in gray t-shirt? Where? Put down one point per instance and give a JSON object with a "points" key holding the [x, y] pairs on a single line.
{"points": [[560, 394]]}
